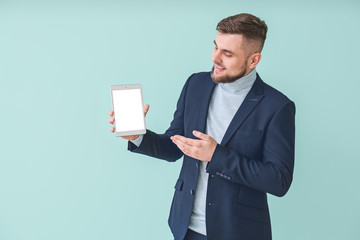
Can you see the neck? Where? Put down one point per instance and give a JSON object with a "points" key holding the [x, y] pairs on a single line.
{"points": [[240, 85]]}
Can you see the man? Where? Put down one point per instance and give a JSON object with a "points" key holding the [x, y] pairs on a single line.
{"points": [[236, 134]]}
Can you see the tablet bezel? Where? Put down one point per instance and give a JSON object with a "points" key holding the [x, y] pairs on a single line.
{"points": [[127, 87]]}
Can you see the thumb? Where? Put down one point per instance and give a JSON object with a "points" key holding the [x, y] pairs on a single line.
{"points": [[146, 109], [201, 135]]}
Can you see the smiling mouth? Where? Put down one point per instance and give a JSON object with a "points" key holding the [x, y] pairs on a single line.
{"points": [[219, 68]]}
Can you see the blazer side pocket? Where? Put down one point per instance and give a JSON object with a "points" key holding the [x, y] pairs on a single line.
{"points": [[179, 185], [251, 213]]}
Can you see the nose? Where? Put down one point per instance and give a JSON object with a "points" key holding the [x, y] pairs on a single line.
{"points": [[216, 56]]}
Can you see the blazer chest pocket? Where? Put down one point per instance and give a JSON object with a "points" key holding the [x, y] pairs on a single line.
{"points": [[248, 142]]}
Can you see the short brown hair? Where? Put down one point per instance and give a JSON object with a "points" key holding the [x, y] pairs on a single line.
{"points": [[251, 27]]}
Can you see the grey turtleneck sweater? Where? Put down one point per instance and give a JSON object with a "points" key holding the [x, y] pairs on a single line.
{"points": [[225, 101]]}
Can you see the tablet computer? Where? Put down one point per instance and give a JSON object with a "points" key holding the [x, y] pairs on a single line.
{"points": [[127, 104]]}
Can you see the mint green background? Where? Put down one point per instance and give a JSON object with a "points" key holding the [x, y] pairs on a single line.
{"points": [[63, 175]]}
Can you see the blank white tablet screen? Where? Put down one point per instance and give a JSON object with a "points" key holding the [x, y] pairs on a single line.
{"points": [[128, 110]]}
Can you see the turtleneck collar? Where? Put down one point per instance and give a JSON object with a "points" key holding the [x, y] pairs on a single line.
{"points": [[240, 85]]}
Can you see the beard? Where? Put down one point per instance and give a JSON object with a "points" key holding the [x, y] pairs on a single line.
{"points": [[227, 78]]}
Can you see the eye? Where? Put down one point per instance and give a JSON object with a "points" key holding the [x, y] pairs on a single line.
{"points": [[227, 54]]}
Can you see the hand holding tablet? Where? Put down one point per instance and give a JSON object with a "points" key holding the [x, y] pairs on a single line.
{"points": [[128, 112]]}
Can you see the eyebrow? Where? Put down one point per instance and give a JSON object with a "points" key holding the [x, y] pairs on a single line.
{"points": [[225, 50]]}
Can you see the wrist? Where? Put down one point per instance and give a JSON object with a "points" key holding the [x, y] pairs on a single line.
{"points": [[131, 138]]}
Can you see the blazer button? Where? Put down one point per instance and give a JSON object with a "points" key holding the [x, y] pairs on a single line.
{"points": [[191, 192], [197, 164]]}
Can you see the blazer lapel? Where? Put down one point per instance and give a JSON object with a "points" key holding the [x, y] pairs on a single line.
{"points": [[252, 99], [203, 104]]}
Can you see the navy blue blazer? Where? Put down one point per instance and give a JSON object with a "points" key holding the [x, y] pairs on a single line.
{"points": [[255, 157]]}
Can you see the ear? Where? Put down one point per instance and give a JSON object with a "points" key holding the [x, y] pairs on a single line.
{"points": [[254, 59]]}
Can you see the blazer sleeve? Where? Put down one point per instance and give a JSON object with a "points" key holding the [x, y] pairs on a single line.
{"points": [[273, 173], [160, 145]]}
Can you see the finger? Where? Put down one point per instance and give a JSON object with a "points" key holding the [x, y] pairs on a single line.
{"points": [[188, 141], [201, 135], [146, 109], [186, 149], [111, 113], [186, 152], [112, 129], [180, 144], [111, 120]]}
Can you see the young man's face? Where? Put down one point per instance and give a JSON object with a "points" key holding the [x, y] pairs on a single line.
{"points": [[230, 58]]}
